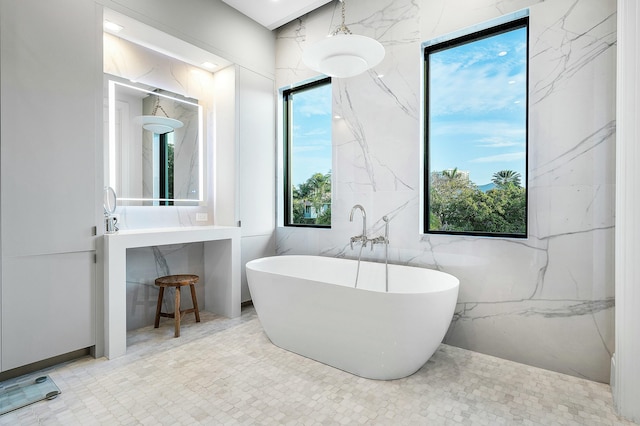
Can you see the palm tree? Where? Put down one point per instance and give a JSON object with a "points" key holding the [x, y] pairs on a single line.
{"points": [[320, 190], [506, 177], [451, 174]]}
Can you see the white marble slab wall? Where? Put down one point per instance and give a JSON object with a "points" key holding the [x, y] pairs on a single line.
{"points": [[546, 300]]}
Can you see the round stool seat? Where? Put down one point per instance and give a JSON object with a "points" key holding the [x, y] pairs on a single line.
{"points": [[176, 281]]}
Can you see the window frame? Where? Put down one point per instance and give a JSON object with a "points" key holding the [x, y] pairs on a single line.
{"points": [[459, 40], [287, 141]]}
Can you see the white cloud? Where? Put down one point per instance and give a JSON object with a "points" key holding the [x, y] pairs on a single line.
{"points": [[482, 132], [315, 108], [474, 79], [497, 142], [315, 132], [502, 158], [307, 148], [316, 102]]}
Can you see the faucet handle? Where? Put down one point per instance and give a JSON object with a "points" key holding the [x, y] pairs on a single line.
{"points": [[378, 240]]}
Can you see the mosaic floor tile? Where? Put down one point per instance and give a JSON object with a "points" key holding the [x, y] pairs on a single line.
{"points": [[226, 372]]}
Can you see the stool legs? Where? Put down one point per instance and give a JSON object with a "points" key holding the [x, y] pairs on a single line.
{"points": [[195, 302], [176, 313], [159, 308]]}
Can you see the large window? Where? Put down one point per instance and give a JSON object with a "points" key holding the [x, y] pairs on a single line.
{"points": [[476, 133], [307, 130]]}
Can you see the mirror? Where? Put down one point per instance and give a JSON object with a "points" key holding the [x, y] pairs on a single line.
{"points": [[155, 146]]}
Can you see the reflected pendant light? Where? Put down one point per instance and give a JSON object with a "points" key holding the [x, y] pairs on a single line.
{"points": [[158, 124], [343, 54]]}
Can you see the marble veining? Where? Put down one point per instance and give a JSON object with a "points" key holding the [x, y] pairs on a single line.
{"points": [[579, 45], [605, 134], [546, 300]]}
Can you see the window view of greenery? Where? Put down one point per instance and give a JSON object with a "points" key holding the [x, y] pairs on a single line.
{"points": [[477, 133], [166, 145], [308, 154]]}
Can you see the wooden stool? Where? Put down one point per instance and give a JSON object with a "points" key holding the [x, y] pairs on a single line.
{"points": [[177, 281]]}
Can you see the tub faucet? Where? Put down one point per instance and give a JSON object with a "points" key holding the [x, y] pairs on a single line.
{"points": [[362, 237]]}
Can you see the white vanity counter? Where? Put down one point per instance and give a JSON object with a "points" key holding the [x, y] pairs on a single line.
{"points": [[221, 265]]}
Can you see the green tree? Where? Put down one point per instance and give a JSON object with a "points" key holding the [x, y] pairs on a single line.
{"points": [[447, 187], [457, 205], [314, 195], [506, 177], [510, 208]]}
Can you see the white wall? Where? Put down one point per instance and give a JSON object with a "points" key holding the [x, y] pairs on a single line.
{"points": [[626, 375], [546, 300]]}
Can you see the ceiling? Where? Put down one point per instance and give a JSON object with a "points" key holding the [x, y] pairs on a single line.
{"points": [[275, 13], [151, 38]]}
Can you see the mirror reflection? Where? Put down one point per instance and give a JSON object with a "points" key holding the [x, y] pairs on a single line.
{"points": [[155, 146]]}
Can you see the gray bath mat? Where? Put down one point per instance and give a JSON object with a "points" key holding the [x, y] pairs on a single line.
{"points": [[19, 394]]}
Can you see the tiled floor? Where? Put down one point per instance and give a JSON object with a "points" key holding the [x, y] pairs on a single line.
{"points": [[224, 371]]}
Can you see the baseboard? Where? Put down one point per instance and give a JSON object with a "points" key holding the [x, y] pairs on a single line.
{"points": [[45, 363]]}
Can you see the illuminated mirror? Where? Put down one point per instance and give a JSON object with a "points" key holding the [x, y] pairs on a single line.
{"points": [[155, 146]]}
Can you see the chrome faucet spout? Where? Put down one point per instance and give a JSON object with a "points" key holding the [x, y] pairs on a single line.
{"points": [[364, 220]]}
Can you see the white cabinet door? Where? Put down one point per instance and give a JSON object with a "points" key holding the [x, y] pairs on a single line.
{"points": [[256, 168], [48, 306], [50, 113], [50, 81], [257, 164]]}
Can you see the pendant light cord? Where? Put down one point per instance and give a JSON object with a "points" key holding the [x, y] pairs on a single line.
{"points": [[159, 107], [342, 28]]}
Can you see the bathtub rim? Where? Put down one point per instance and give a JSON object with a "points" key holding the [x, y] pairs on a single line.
{"points": [[448, 284]]}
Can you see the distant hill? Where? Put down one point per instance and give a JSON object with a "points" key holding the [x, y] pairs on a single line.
{"points": [[486, 187]]}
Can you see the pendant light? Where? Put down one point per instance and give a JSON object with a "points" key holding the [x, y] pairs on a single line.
{"points": [[343, 54], [158, 124]]}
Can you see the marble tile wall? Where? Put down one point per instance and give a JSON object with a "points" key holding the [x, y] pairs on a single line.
{"points": [[547, 300]]}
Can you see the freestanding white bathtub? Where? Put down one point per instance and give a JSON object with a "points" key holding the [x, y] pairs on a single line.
{"points": [[308, 305]]}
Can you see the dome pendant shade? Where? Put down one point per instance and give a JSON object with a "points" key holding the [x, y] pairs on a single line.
{"points": [[160, 125], [343, 55]]}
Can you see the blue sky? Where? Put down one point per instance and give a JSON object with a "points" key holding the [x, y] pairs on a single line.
{"points": [[478, 107], [311, 133]]}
